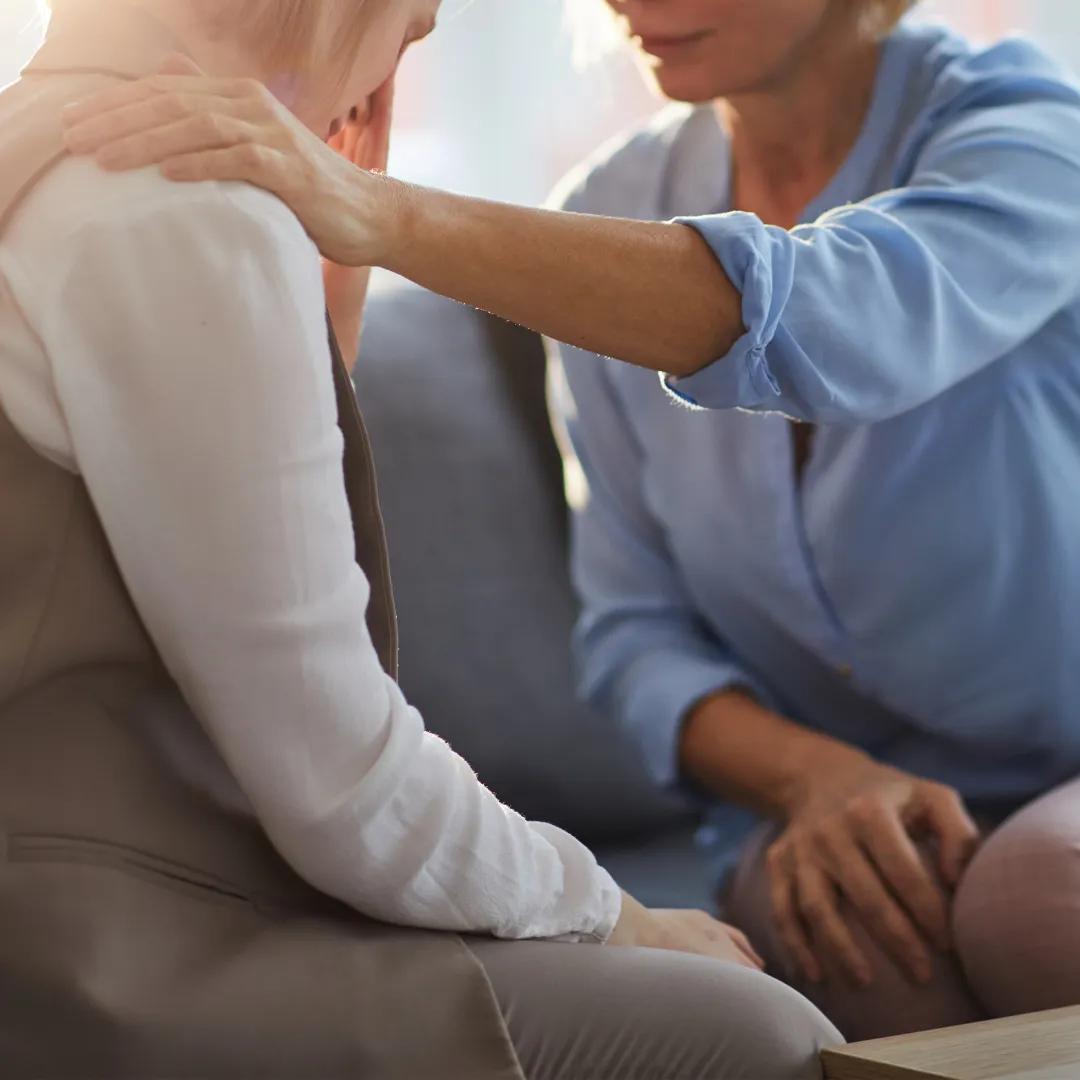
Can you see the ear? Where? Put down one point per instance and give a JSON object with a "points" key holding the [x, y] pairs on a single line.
{"points": [[179, 64]]}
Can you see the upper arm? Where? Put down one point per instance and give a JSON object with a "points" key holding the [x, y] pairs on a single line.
{"points": [[882, 305], [189, 351]]}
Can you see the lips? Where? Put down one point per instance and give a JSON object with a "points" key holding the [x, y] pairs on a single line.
{"points": [[662, 45]]}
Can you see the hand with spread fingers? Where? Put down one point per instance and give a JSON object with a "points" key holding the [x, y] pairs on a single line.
{"points": [[853, 837], [198, 128], [195, 127]]}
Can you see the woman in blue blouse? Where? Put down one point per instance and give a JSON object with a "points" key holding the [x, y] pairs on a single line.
{"points": [[830, 561]]}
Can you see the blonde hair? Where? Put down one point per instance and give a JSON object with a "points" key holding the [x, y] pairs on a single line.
{"points": [[296, 32]]}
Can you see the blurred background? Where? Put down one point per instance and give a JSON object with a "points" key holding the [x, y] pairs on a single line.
{"points": [[495, 104]]}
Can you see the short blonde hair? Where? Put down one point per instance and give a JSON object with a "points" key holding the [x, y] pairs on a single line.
{"points": [[291, 32], [295, 32]]}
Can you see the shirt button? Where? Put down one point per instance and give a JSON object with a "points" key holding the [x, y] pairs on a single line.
{"points": [[845, 671]]}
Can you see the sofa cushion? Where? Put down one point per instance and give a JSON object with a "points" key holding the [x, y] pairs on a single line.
{"points": [[471, 483]]}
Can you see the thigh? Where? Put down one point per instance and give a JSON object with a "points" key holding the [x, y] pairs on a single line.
{"points": [[1018, 909], [893, 1005], [589, 1012], [130, 975]]}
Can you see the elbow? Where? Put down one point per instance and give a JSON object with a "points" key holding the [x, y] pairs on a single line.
{"points": [[707, 320], [681, 363]]}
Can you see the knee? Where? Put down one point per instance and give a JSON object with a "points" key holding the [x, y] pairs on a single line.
{"points": [[777, 1032], [1017, 917]]}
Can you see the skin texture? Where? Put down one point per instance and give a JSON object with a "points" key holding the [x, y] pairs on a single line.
{"points": [[791, 80]]}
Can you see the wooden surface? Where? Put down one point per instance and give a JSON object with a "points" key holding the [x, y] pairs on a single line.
{"points": [[1043, 1046]]}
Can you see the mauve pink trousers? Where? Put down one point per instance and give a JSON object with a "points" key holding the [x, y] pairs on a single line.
{"points": [[1016, 919]]}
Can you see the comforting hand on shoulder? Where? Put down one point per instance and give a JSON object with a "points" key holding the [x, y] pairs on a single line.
{"points": [[200, 128]]}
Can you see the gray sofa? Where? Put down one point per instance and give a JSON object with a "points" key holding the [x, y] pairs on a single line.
{"points": [[472, 490]]}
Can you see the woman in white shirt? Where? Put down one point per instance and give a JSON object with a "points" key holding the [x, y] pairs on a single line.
{"points": [[166, 346]]}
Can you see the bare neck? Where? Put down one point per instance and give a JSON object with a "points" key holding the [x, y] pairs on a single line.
{"points": [[212, 50], [789, 137]]}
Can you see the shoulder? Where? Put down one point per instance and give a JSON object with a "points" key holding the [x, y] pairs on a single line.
{"points": [[140, 214], [624, 172], [957, 64], [120, 267], [961, 78]]}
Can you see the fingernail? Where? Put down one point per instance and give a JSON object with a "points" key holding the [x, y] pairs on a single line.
{"points": [[71, 113]]}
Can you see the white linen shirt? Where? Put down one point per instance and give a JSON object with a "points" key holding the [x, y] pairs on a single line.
{"points": [[168, 343]]}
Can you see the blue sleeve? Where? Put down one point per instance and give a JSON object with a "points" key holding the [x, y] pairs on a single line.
{"points": [[645, 656], [880, 306]]}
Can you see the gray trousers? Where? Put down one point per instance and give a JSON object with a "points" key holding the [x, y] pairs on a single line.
{"points": [[587, 1012], [114, 971]]}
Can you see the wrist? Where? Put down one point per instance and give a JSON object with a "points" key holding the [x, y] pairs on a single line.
{"points": [[397, 223], [633, 916], [737, 748], [812, 761]]}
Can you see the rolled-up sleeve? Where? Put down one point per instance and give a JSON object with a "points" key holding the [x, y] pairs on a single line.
{"points": [[880, 306]]}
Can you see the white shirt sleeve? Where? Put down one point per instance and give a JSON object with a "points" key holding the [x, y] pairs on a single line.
{"points": [[188, 348]]}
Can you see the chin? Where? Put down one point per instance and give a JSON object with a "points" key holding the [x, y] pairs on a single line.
{"points": [[689, 86]]}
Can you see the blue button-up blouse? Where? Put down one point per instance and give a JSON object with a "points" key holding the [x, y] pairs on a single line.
{"points": [[917, 591]]}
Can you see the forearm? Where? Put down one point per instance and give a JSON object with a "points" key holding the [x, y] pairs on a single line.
{"points": [[735, 747], [648, 293]]}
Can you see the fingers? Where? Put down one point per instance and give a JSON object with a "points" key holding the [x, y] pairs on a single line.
{"points": [[879, 911], [818, 902], [899, 862], [247, 163], [353, 135], [179, 64], [727, 943], [741, 956], [197, 135], [744, 945], [365, 137], [131, 93], [204, 129], [788, 921], [957, 834], [336, 139]]}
